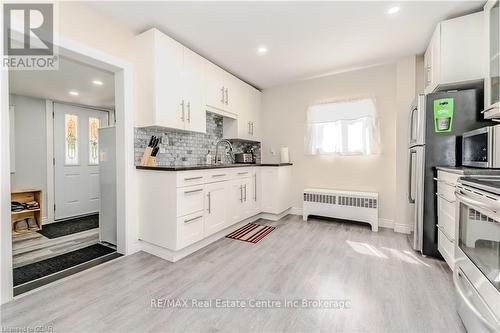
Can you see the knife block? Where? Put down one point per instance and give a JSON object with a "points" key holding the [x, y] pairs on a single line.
{"points": [[147, 159]]}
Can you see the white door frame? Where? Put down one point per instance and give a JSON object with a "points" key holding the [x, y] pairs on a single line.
{"points": [[127, 225]]}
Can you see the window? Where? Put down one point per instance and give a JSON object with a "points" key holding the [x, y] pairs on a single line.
{"points": [[93, 141], [71, 139], [342, 128]]}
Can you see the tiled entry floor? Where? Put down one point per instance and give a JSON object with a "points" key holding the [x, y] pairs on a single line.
{"points": [[389, 287]]}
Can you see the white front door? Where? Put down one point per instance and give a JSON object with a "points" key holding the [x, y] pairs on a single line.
{"points": [[76, 152]]}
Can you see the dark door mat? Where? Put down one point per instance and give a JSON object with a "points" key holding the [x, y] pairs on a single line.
{"points": [[68, 227], [56, 264]]}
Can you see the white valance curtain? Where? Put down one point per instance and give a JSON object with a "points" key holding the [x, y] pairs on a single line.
{"points": [[347, 127]]}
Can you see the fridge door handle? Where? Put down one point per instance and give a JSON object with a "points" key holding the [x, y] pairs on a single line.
{"points": [[410, 169]]}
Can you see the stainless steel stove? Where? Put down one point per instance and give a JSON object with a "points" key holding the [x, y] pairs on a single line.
{"points": [[477, 270]]}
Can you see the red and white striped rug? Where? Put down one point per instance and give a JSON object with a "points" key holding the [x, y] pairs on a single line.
{"points": [[251, 232]]}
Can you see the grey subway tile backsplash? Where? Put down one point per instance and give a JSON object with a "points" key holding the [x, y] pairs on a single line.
{"points": [[188, 148]]}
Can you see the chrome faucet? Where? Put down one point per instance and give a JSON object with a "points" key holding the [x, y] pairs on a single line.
{"points": [[228, 144]]}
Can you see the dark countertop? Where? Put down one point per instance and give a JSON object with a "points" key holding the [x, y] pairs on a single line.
{"points": [[469, 171], [206, 167]]}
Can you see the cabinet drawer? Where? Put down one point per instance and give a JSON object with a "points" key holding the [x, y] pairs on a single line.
{"points": [[189, 229], [446, 216], [447, 249], [446, 183], [188, 178], [217, 175], [243, 172], [190, 200]]}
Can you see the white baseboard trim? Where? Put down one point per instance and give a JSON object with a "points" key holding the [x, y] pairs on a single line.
{"points": [[402, 228], [274, 217], [296, 211], [173, 256], [386, 223]]}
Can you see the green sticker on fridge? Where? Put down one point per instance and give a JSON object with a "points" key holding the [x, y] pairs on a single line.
{"points": [[443, 115]]}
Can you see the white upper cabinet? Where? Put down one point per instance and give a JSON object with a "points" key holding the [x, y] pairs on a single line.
{"points": [[214, 86], [247, 126], [170, 86], [454, 57], [225, 93], [492, 78], [195, 115]]}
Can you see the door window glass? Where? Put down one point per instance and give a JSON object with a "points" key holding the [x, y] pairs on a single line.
{"points": [[93, 141], [71, 139]]}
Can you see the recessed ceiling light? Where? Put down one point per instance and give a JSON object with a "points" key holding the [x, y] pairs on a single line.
{"points": [[97, 82], [262, 50], [74, 93], [393, 10]]}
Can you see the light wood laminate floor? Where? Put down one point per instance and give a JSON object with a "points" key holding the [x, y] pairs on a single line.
{"points": [[390, 288], [33, 247]]}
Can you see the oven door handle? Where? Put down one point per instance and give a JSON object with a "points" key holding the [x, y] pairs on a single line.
{"points": [[460, 274], [472, 202]]}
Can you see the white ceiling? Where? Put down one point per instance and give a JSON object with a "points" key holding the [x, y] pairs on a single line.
{"points": [[71, 76], [305, 39]]}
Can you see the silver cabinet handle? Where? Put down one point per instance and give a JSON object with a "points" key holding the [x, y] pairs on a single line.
{"points": [[193, 191], [209, 203], [241, 193], [193, 178], [255, 188], [182, 112], [488, 109], [444, 182], [221, 175], [440, 227], [459, 274], [445, 199], [189, 111], [227, 96], [245, 192], [242, 173], [252, 128], [193, 219], [249, 128], [222, 95]]}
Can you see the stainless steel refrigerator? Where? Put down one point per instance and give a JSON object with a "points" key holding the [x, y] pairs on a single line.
{"points": [[435, 140]]}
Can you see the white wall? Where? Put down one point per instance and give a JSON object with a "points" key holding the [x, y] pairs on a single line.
{"points": [[30, 146], [406, 90], [284, 117]]}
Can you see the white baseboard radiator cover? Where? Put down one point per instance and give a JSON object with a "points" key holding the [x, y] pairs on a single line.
{"points": [[346, 205]]}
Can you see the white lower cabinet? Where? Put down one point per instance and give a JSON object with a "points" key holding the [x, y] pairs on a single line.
{"points": [[180, 208], [446, 208], [216, 217], [190, 229]]}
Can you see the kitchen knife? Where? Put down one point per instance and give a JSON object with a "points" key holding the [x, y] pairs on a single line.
{"points": [[155, 151]]}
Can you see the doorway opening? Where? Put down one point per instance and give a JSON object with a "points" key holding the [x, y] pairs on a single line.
{"points": [[63, 172]]}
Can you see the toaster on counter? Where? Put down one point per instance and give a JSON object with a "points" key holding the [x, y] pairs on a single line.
{"points": [[243, 158]]}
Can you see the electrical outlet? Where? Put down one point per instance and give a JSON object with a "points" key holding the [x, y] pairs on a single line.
{"points": [[164, 140], [272, 151], [162, 150]]}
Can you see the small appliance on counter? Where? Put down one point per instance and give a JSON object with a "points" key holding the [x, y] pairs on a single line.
{"points": [[481, 147], [284, 155], [246, 158]]}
